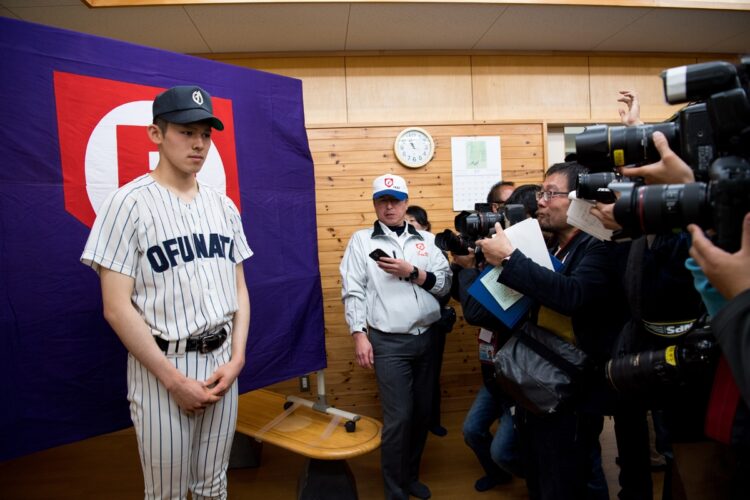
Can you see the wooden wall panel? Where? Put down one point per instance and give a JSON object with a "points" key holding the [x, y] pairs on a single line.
{"points": [[323, 83], [611, 74], [341, 90], [347, 159], [408, 88], [530, 87]]}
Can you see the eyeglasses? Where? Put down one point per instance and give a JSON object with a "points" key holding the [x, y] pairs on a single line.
{"points": [[548, 195]]}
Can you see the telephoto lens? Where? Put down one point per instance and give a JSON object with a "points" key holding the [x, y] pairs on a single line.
{"points": [[602, 148], [662, 208], [650, 371]]}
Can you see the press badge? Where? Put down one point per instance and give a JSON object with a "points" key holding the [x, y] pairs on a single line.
{"points": [[486, 352]]}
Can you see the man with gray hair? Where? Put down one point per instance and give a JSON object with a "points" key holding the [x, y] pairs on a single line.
{"points": [[391, 276]]}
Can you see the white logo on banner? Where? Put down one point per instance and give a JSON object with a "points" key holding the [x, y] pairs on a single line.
{"points": [[101, 153]]}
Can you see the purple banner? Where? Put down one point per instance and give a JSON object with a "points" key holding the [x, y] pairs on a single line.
{"points": [[75, 109]]}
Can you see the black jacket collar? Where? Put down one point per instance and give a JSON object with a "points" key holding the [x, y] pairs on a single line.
{"points": [[377, 230]]}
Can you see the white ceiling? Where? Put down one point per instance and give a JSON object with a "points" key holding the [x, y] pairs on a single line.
{"points": [[313, 27]]}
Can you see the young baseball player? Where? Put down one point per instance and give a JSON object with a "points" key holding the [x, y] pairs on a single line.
{"points": [[169, 254]]}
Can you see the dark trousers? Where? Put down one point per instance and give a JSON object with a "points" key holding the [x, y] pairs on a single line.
{"points": [[633, 450], [404, 368], [557, 451]]}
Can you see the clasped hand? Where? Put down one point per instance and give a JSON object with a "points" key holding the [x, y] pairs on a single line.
{"points": [[194, 396]]}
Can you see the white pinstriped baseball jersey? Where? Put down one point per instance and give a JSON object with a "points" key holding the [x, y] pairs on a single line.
{"points": [[181, 255]]}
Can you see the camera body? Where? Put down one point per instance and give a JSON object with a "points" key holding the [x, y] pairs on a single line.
{"points": [[474, 224], [712, 136]]}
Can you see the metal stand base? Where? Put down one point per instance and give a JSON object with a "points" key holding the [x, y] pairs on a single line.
{"points": [[327, 480], [245, 452]]}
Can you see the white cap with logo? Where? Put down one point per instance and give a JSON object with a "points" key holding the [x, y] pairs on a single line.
{"points": [[390, 185]]}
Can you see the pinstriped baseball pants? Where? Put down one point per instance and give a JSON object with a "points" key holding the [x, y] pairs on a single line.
{"points": [[180, 451]]}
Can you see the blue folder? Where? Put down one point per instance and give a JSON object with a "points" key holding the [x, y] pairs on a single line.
{"points": [[511, 316]]}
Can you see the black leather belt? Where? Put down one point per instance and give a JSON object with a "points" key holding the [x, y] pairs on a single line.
{"points": [[203, 344]]}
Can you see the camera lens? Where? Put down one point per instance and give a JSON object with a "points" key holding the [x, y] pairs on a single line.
{"points": [[662, 208], [592, 148], [602, 148], [636, 372], [448, 241], [673, 206], [594, 186], [635, 145], [690, 362], [477, 224]]}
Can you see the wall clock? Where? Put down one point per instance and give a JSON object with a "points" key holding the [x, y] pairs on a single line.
{"points": [[414, 147]]}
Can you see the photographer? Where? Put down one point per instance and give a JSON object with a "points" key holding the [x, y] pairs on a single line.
{"points": [[499, 194], [497, 454], [578, 303], [710, 140], [663, 305], [729, 274]]}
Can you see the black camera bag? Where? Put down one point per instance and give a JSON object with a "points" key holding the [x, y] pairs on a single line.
{"points": [[541, 371]]}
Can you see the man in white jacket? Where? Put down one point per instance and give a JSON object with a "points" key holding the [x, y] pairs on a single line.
{"points": [[391, 277]]}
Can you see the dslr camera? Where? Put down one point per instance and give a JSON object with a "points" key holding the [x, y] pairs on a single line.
{"points": [[712, 136], [476, 224], [690, 363]]}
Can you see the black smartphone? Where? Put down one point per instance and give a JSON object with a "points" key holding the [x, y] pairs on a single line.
{"points": [[377, 254]]}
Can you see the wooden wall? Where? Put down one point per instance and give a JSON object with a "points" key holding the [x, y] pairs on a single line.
{"points": [[347, 159], [356, 105], [441, 89]]}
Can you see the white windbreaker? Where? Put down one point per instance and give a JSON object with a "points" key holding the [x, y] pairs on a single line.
{"points": [[383, 301]]}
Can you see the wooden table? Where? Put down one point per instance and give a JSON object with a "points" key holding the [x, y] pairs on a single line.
{"points": [[311, 433]]}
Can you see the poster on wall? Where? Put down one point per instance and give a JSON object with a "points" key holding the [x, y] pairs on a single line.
{"points": [[476, 167]]}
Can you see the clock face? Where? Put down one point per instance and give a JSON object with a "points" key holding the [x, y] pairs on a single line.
{"points": [[414, 147]]}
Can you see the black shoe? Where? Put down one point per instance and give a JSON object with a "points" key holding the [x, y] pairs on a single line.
{"points": [[419, 490], [515, 467], [485, 483], [438, 430]]}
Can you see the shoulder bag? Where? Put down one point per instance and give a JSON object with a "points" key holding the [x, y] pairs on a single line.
{"points": [[540, 370]]}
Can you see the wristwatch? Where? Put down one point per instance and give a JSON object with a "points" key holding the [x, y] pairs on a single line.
{"points": [[414, 274]]}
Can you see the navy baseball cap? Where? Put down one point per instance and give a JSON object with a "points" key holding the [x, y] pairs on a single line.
{"points": [[186, 104]]}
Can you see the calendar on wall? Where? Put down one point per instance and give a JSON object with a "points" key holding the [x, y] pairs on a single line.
{"points": [[476, 167]]}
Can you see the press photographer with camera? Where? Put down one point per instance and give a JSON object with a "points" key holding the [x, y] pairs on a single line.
{"points": [[578, 303], [663, 306], [499, 194], [711, 143], [497, 453], [728, 418]]}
